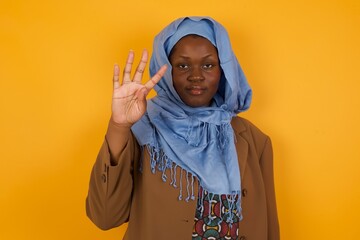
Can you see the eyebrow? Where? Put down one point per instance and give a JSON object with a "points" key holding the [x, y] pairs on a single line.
{"points": [[186, 57]]}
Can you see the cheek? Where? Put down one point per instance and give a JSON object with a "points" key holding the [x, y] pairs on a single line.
{"points": [[177, 82], [214, 80], [179, 78]]}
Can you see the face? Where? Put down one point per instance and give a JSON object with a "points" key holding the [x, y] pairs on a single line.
{"points": [[196, 70]]}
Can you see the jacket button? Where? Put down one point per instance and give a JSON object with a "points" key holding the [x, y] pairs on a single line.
{"points": [[242, 238], [103, 177], [244, 192]]}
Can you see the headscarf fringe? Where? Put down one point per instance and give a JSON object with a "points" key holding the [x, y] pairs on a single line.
{"points": [[159, 161]]}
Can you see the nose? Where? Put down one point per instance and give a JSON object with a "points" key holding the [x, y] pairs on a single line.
{"points": [[196, 74]]}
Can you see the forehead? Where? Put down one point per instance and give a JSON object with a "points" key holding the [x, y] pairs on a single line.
{"points": [[193, 42]]}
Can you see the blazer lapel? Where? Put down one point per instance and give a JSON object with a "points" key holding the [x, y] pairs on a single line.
{"points": [[241, 144]]}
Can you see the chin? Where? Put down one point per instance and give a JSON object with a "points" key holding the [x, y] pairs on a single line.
{"points": [[197, 105]]}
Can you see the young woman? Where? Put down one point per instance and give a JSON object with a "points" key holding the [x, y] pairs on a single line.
{"points": [[183, 164]]}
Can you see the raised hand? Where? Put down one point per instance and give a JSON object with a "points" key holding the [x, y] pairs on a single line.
{"points": [[129, 98]]}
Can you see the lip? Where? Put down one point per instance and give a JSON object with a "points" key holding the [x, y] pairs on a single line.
{"points": [[195, 90]]}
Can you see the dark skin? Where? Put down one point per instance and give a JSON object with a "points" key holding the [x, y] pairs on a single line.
{"points": [[196, 75], [196, 70]]}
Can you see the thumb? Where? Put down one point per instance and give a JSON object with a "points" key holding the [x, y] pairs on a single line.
{"points": [[142, 93]]}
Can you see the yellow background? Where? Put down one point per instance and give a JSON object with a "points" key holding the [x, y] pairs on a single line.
{"points": [[300, 57]]}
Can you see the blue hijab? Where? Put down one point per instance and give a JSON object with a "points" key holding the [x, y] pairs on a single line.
{"points": [[200, 141]]}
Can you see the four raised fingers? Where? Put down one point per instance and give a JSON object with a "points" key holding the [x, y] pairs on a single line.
{"points": [[139, 72]]}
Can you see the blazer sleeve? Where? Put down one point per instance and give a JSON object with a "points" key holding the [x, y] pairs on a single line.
{"points": [[266, 164], [111, 181]]}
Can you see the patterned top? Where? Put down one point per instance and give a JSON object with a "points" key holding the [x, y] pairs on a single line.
{"points": [[212, 219]]}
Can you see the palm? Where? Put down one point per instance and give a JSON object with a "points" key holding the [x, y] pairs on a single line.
{"points": [[129, 99], [127, 106]]}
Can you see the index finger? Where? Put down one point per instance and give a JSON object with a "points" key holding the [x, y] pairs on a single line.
{"points": [[141, 67], [156, 78]]}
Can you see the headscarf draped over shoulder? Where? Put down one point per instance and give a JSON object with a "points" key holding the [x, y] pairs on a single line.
{"points": [[200, 141]]}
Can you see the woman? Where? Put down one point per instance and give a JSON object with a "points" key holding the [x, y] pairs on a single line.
{"points": [[217, 166]]}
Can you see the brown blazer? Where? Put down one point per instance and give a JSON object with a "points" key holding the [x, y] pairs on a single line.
{"points": [[119, 192]]}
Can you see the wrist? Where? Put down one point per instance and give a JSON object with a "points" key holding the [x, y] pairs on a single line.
{"points": [[121, 125]]}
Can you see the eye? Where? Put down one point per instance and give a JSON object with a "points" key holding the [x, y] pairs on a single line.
{"points": [[208, 66], [183, 66]]}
